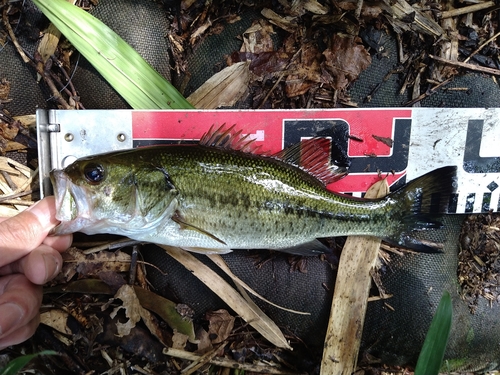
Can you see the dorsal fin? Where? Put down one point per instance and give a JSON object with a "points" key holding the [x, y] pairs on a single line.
{"points": [[228, 138], [313, 156]]}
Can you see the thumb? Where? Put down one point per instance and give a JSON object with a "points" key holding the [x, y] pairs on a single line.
{"points": [[22, 233]]}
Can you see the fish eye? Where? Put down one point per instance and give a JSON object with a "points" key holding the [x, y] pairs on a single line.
{"points": [[94, 173]]}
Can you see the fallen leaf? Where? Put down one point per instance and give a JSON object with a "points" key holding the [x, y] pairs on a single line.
{"points": [[179, 340], [132, 308], [220, 325], [204, 343], [56, 319], [257, 38], [286, 23], [307, 71], [168, 311], [264, 65], [345, 59], [224, 88], [4, 89]]}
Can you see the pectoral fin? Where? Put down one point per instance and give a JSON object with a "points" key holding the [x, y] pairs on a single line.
{"points": [[186, 226], [204, 250]]}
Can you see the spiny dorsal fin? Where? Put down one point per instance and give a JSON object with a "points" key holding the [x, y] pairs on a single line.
{"points": [[313, 156], [229, 139]]}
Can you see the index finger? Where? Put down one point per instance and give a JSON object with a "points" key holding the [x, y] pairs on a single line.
{"points": [[22, 233]]}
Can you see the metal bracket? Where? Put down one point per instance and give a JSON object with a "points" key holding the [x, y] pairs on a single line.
{"points": [[64, 136]]}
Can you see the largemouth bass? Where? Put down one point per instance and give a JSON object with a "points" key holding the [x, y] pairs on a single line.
{"points": [[217, 196]]}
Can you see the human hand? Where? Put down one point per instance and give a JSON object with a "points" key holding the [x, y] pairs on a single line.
{"points": [[28, 259]]}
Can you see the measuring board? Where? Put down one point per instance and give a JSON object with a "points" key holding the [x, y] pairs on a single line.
{"points": [[399, 143]]}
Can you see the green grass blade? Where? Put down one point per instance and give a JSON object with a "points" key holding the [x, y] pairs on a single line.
{"points": [[124, 69], [16, 365], [431, 356]]}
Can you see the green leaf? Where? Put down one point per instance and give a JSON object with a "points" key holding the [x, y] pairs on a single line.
{"points": [[16, 365], [124, 69], [432, 354]]}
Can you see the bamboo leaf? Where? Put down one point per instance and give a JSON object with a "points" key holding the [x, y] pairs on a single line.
{"points": [[124, 69], [432, 354]]}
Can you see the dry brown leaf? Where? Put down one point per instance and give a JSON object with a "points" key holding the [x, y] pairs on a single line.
{"points": [[14, 146], [345, 60], [257, 38], [132, 308], [220, 325], [4, 89], [104, 261], [8, 131], [56, 319], [307, 71], [224, 88], [48, 43], [286, 23], [204, 343], [179, 340], [312, 6]]}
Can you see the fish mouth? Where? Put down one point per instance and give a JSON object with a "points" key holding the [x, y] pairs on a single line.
{"points": [[72, 205]]}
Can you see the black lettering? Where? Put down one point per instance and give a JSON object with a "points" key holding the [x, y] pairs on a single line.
{"points": [[473, 163], [397, 162]]}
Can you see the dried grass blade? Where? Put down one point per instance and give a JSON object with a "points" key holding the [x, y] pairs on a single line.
{"points": [[252, 315], [350, 298], [217, 259]]}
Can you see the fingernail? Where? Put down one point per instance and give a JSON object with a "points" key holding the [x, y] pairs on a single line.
{"points": [[50, 261], [10, 314]]}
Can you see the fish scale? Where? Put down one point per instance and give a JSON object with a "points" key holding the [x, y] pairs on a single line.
{"points": [[215, 197], [288, 204]]}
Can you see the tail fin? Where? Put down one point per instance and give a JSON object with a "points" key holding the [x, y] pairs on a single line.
{"points": [[421, 204]]}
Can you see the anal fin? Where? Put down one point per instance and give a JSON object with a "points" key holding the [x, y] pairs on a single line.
{"points": [[314, 247]]}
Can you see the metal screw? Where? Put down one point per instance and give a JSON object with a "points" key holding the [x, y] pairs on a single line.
{"points": [[121, 137], [68, 137]]}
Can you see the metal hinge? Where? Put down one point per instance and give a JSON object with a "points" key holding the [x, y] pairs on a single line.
{"points": [[64, 136]]}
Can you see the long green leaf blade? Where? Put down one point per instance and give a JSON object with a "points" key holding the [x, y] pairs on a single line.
{"points": [[432, 354], [120, 65], [16, 365]]}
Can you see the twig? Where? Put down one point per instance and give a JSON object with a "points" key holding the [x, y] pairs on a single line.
{"points": [[271, 90], [6, 22], [39, 66], [18, 202], [481, 47], [228, 363], [359, 7], [428, 92], [473, 67], [13, 196], [467, 9]]}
